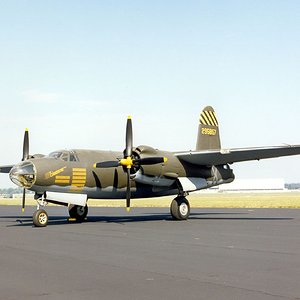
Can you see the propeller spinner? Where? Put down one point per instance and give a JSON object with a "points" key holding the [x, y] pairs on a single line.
{"points": [[129, 161]]}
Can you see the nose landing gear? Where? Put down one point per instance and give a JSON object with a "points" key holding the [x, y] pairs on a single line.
{"points": [[40, 218]]}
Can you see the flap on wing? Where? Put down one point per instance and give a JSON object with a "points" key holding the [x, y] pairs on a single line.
{"points": [[229, 156]]}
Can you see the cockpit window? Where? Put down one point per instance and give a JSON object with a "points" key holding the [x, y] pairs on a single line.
{"points": [[72, 157], [56, 155], [64, 155]]}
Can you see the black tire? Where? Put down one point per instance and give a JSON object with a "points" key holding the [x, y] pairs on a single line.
{"points": [[40, 218], [180, 208], [78, 212]]}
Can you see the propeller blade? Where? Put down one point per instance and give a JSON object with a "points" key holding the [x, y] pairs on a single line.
{"points": [[23, 200], [26, 145], [129, 138], [128, 191], [150, 160], [5, 169], [107, 164]]}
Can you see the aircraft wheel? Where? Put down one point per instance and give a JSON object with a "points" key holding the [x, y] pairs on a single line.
{"points": [[78, 212], [180, 208], [40, 218]]}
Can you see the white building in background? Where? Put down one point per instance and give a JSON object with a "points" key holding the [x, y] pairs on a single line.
{"points": [[263, 184], [29, 195]]}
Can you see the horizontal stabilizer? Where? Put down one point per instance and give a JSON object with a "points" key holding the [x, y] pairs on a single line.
{"points": [[229, 156]]}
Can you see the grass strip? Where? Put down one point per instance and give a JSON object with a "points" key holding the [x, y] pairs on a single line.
{"points": [[199, 200]]}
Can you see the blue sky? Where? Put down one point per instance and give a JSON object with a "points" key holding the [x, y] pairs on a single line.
{"points": [[71, 71]]}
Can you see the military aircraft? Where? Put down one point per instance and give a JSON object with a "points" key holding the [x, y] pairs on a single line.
{"points": [[72, 177]]}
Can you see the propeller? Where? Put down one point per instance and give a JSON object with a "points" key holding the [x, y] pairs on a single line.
{"points": [[25, 145], [129, 161], [25, 157]]}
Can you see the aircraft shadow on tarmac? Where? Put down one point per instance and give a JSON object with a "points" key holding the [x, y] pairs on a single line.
{"points": [[151, 217]]}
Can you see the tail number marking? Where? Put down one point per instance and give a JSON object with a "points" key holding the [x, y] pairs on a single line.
{"points": [[208, 131]]}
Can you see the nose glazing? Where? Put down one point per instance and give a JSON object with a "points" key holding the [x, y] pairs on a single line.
{"points": [[23, 174]]}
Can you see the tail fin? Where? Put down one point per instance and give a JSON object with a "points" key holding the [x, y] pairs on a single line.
{"points": [[208, 131]]}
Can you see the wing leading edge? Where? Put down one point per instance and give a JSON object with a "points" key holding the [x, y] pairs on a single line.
{"points": [[229, 156]]}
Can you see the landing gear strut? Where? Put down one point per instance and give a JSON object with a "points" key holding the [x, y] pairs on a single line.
{"points": [[180, 208], [78, 212]]}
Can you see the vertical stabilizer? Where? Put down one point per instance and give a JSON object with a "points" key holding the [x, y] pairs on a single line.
{"points": [[208, 130]]}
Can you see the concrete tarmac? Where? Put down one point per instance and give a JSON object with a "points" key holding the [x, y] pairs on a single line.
{"points": [[216, 254]]}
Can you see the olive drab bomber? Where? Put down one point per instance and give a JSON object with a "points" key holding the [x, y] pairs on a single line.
{"points": [[71, 177]]}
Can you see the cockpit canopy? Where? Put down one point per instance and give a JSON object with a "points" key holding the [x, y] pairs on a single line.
{"points": [[66, 155]]}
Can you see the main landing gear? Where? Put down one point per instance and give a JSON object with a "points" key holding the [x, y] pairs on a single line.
{"points": [[180, 208]]}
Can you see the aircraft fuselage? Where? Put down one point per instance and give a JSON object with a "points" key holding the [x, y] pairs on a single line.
{"points": [[64, 174]]}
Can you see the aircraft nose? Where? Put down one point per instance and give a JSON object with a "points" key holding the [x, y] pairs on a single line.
{"points": [[23, 174]]}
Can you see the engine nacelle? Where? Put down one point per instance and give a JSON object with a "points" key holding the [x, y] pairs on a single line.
{"points": [[222, 172]]}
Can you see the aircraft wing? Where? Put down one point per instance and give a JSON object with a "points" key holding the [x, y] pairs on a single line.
{"points": [[229, 156]]}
